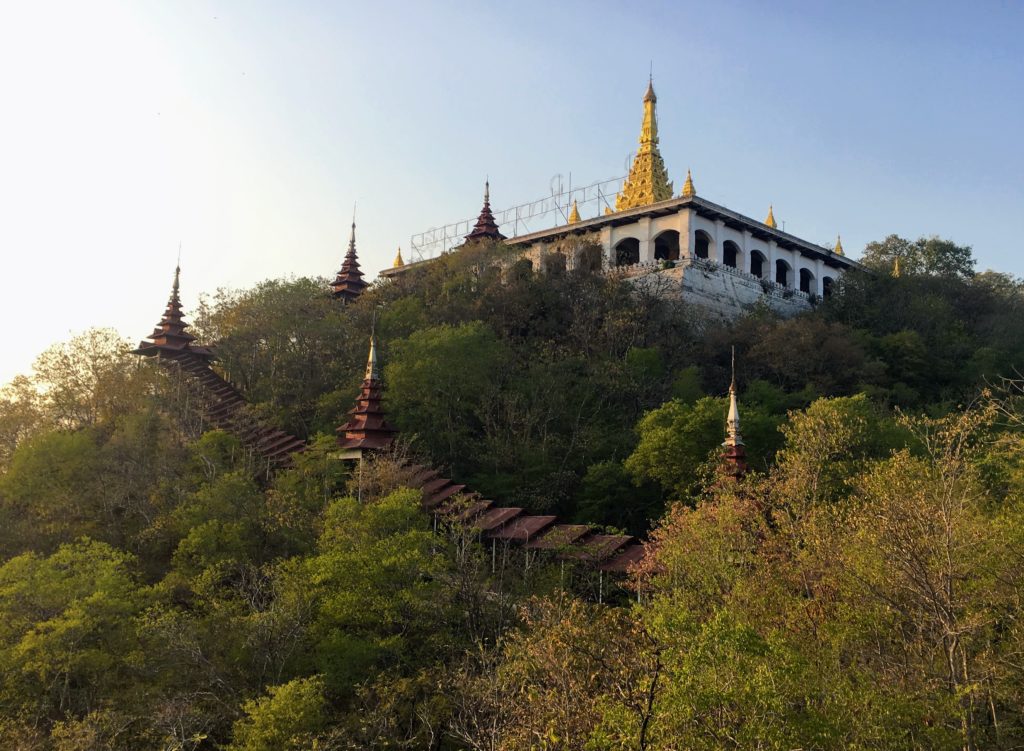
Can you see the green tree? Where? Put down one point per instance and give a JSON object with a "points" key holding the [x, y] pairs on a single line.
{"points": [[21, 416], [374, 578], [678, 442], [438, 380], [89, 378], [289, 717], [67, 631], [926, 255]]}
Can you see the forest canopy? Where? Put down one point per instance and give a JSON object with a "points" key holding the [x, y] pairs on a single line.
{"points": [[858, 588]]}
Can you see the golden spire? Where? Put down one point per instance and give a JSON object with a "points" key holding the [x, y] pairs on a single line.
{"points": [[732, 422], [770, 220], [574, 213], [398, 259], [648, 180], [896, 268], [839, 246], [372, 373], [688, 190]]}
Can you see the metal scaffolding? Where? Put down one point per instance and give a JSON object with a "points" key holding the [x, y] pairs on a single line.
{"points": [[591, 200]]}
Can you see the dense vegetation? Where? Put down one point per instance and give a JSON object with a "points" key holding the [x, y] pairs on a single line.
{"points": [[859, 589]]}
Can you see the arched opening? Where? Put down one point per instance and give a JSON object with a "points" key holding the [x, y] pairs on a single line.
{"points": [[554, 263], [731, 254], [783, 273], [807, 282], [521, 269], [826, 286], [757, 263], [627, 252], [589, 259], [701, 244], [666, 246]]}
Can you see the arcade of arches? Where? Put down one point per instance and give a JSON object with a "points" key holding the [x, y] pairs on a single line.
{"points": [[667, 248]]}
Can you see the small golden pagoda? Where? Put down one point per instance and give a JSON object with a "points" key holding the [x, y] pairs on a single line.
{"points": [[574, 213], [399, 262], [770, 219], [839, 246], [688, 190], [648, 180]]}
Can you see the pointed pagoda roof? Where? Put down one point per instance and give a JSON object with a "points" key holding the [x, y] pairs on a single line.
{"points": [[688, 190], [838, 250], [349, 283], [399, 262], [770, 219], [366, 429], [648, 181], [735, 454], [485, 228], [574, 213], [170, 337]]}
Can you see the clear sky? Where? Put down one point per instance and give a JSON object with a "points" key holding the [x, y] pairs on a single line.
{"points": [[246, 130]]}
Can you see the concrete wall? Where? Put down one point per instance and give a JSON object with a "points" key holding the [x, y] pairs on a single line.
{"points": [[722, 292]]}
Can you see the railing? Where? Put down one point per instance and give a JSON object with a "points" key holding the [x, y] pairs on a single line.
{"points": [[706, 264]]}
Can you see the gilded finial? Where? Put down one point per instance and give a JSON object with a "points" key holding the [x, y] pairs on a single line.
{"points": [[770, 220], [735, 454], [732, 424], [352, 235], [688, 190], [839, 246], [372, 374], [398, 259], [648, 181], [896, 268], [574, 213]]}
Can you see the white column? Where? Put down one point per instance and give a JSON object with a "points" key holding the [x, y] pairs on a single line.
{"points": [[684, 225], [773, 255], [718, 256], [646, 246], [607, 247], [746, 250], [819, 277]]}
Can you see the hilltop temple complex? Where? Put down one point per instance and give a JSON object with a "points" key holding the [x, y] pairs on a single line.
{"points": [[721, 260]]}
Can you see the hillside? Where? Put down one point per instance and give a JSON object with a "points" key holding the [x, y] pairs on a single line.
{"points": [[859, 588]]}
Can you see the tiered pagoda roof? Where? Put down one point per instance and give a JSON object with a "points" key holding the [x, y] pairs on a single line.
{"points": [[219, 400], [648, 181], [349, 283], [170, 338], [486, 228], [366, 428]]}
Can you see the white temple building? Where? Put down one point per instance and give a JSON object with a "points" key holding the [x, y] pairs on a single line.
{"points": [[722, 260]]}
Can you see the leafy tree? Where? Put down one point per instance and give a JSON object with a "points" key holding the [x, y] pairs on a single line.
{"points": [[289, 717], [67, 630], [438, 379], [21, 416], [374, 577], [926, 255], [51, 492], [89, 378], [677, 443]]}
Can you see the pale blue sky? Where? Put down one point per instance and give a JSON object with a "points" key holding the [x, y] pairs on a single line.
{"points": [[247, 129]]}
